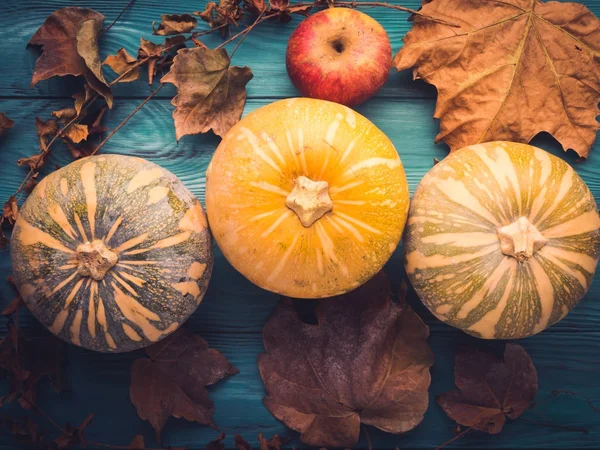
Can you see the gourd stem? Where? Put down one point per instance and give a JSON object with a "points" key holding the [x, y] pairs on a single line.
{"points": [[309, 200], [95, 259], [521, 239]]}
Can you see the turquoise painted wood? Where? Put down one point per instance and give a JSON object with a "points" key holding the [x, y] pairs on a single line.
{"points": [[233, 312]]}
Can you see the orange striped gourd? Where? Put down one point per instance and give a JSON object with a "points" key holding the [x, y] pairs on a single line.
{"points": [[306, 198], [502, 240], [111, 253]]}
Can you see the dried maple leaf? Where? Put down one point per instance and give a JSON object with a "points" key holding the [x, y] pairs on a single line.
{"points": [[210, 93], [366, 361], [121, 63], [77, 133], [511, 70], [172, 382], [11, 210], [69, 41], [5, 123], [175, 24], [490, 389]]}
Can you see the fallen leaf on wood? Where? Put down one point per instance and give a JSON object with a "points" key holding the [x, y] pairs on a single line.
{"points": [[11, 210], [45, 131], [489, 388], [153, 52], [77, 133], [36, 359], [511, 70], [65, 115], [121, 63], [73, 436], [5, 123], [210, 93], [137, 442], [227, 12], [31, 183], [69, 41], [275, 443], [175, 24], [13, 306], [81, 98], [172, 382], [217, 444], [366, 361], [34, 162]]}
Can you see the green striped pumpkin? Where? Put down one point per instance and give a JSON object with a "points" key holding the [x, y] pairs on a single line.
{"points": [[502, 240], [111, 253]]}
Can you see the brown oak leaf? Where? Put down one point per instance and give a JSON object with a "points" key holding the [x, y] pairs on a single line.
{"points": [[5, 123], [121, 63], [511, 70], [69, 41], [490, 389], [172, 382], [175, 24], [366, 361], [210, 93]]}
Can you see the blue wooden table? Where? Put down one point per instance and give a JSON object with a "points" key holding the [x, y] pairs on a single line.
{"points": [[233, 312]]}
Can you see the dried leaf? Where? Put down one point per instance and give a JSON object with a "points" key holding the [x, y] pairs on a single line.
{"points": [[45, 131], [490, 389], [137, 442], [81, 98], [217, 444], [172, 382], [31, 183], [227, 12], [149, 49], [69, 41], [121, 63], [5, 123], [175, 24], [65, 115], [73, 436], [255, 6], [275, 443], [210, 93], [77, 133], [510, 71], [279, 5], [11, 210], [34, 162], [366, 361], [241, 443]]}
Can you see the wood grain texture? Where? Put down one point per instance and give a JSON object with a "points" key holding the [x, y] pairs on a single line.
{"points": [[233, 312]]}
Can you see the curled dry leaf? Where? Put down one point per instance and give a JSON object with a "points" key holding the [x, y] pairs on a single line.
{"points": [[217, 444], [5, 123], [73, 436], [45, 131], [153, 52], [227, 12], [171, 24], [172, 382], [81, 98], [11, 210], [511, 70], [69, 41], [366, 361], [210, 93], [77, 133], [65, 115], [489, 388], [121, 63], [137, 442]]}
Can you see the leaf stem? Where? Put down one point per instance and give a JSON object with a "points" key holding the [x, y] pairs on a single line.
{"points": [[247, 31], [140, 106], [128, 5], [458, 436]]}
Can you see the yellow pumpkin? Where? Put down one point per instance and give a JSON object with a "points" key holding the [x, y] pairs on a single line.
{"points": [[502, 240], [306, 198]]}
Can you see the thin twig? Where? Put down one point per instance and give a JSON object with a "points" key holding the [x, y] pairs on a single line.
{"points": [[44, 415], [368, 436], [557, 392], [140, 106], [458, 436], [248, 29], [554, 425], [396, 7], [131, 2], [245, 30]]}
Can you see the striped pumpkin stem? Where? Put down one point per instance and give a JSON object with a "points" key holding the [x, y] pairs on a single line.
{"points": [[521, 239], [309, 200], [95, 259]]}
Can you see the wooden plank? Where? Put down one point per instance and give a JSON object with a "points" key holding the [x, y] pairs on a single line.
{"points": [[233, 313], [263, 50]]}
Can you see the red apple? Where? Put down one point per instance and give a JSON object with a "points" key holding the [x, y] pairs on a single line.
{"points": [[339, 54]]}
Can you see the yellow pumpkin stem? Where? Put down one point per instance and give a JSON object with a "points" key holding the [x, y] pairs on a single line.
{"points": [[95, 259], [309, 200], [521, 239]]}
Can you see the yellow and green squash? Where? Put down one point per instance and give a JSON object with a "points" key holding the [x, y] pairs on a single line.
{"points": [[502, 240], [111, 253]]}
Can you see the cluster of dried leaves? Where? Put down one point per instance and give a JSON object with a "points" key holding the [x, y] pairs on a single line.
{"points": [[509, 71]]}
